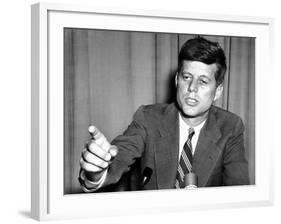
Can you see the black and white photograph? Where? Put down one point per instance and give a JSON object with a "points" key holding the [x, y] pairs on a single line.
{"points": [[144, 112], [152, 111]]}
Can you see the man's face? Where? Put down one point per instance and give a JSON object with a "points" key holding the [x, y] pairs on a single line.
{"points": [[196, 88]]}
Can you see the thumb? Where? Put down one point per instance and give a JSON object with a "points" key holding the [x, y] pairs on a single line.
{"points": [[113, 150], [99, 138]]}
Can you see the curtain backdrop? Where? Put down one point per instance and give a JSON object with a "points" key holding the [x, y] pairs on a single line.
{"points": [[109, 74]]}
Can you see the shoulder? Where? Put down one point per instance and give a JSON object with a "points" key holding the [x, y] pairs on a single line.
{"points": [[155, 108], [159, 108], [226, 119], [154, 112], [224, 114]]}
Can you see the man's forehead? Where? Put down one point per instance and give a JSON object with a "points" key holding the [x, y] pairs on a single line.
{"points": [[198, 67]]}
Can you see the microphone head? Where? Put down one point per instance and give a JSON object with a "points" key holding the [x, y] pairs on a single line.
{"points": [[147, 172], [190, 179]]}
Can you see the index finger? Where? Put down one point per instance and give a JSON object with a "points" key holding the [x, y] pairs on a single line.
{"points": [[94, 131], [99, 138]]}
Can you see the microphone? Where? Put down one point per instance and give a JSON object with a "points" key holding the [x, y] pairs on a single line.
{"points": [[147, 172], [190, 180]]}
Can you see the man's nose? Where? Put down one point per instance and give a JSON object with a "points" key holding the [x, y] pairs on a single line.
{"points": [[193, 86]]}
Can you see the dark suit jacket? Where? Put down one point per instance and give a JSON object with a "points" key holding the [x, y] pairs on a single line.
{"points": [[153, 138]]}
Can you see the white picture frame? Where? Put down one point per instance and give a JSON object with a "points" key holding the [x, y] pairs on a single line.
{"points": [[48, 200]]}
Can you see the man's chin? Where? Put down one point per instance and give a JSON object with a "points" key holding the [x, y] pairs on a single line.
{"points": [[189, 113], [194, 113]]}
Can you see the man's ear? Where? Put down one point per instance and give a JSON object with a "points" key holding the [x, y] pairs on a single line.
{"points": [[219, 91], [176, 80]]}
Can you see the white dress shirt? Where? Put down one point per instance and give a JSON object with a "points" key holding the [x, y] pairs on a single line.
{"points": [[183, 135]]}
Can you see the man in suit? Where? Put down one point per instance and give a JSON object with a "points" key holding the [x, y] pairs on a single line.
{"points": [[190, 136]]}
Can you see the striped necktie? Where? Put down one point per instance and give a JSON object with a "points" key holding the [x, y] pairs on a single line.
{"points": [[185, 164]]}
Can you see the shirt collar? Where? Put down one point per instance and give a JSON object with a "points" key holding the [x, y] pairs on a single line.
{"points": [[185, 126]]}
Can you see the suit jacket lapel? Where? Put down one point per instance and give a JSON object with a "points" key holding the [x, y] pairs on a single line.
{"points": [[166, 149], [207, 151]]}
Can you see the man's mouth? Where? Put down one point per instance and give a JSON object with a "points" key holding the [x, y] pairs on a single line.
{"points": [[191, 101]]}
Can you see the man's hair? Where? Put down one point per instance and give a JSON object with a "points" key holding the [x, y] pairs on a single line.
{"points": [[208, 52]]}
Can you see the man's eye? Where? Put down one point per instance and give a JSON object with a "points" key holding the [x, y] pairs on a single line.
{"points": [[204, 82], [187, 77]]}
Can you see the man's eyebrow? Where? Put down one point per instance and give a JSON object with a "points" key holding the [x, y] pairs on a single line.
{"points": [[204, 76], [188, 73]]}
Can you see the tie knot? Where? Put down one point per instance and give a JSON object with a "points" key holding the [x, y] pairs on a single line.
{"points": [[191, 132]]}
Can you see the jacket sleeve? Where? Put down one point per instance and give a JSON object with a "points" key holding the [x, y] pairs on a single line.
{"points": [[130, 147], [235, 165]]}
